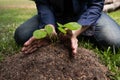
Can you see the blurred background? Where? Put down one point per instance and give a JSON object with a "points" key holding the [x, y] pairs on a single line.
{"points": [[17, 4], [15, 12]]}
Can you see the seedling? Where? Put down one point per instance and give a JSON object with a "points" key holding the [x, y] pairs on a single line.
{"points": [[48, 30], [39, 34], [70, 26]]}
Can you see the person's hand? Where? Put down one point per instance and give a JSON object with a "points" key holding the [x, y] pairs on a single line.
{"points": [[74, 40], [70, 41], [74, 45], [33, 44]]}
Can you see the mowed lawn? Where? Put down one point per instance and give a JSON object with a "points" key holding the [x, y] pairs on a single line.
{"points": [[17, 4], [15, 12], [10, 19]]}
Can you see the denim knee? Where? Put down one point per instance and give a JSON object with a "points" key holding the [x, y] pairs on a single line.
{"points": [[107, 30], [114, 40], [25, 30], [21, 36]]}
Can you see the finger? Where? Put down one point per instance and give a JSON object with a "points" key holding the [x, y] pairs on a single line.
{"points": [[32, 39], [74, 51], [31, 51], [74, 45], [25, 48], [32, 48]]}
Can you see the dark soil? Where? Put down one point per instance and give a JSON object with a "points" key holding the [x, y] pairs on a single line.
{"points": [[53, 62]]}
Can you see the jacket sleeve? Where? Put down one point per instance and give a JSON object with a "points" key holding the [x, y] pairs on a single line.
{"points": [[93, 12], [45, 13]]}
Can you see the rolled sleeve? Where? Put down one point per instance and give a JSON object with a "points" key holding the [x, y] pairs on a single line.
{"points": [[92, 13], [44, 12]]}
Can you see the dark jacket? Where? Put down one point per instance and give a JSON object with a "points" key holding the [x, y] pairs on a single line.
{"points": [[86, 11]]}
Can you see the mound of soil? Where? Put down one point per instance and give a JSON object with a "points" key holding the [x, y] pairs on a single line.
{"points": [[53, 62]]}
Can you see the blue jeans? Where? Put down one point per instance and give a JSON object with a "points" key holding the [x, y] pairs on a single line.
{"points": [[106, 30]]}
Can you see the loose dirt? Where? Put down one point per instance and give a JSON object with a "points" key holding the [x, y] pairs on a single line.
{"points": [[53, 62]]}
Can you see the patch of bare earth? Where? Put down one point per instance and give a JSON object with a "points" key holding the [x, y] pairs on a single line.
{"points": [[52, 62]]}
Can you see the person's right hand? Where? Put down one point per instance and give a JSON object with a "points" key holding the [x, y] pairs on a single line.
{"points": [[33, 44]]}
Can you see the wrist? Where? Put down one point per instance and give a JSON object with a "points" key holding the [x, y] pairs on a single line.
{"points": [[76, 32]]}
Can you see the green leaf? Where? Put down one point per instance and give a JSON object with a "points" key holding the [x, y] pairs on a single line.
{"points": [[60, 25], [49, 29], [72, 25], [62, 30], [39, 34]]}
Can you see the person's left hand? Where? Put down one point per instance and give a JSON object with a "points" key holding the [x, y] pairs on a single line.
{"points": [[70, 41]]}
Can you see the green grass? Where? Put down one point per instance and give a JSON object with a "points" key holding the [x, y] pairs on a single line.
{"points": [[11, 18], [116, 16], [16, 3], [13, 2]]}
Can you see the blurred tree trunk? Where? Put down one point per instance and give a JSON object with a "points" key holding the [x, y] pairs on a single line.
{"points": [[111, 5]]}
